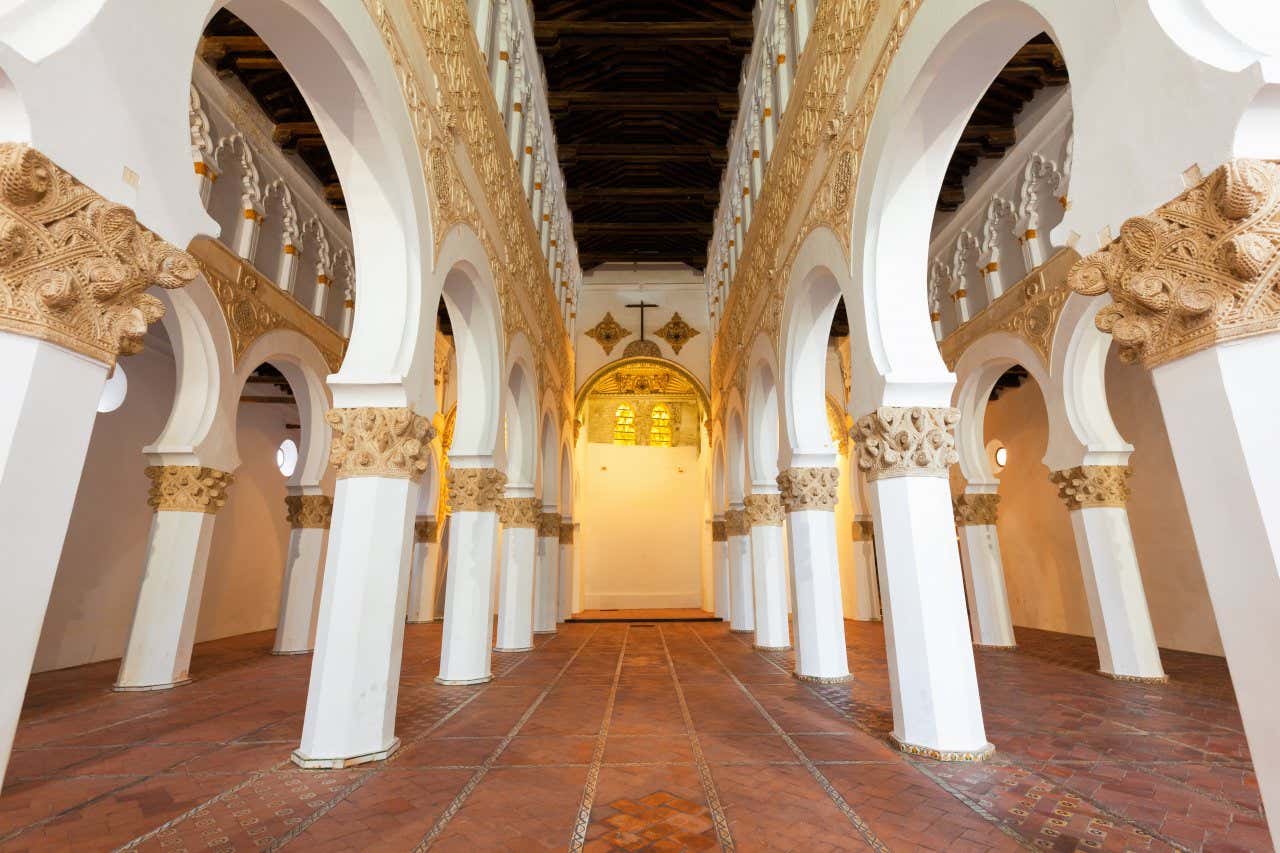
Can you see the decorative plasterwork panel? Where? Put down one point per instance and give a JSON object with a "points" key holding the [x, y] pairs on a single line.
{"points": [[607, 333], [677, 332], [253, 305], [1030, 309]]}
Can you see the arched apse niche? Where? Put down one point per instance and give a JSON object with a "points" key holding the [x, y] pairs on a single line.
{"points": [[762, 417], [475, 316], [909, 144], [336, 57]]}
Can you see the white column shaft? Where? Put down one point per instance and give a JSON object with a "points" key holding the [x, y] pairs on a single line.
{"points": [[769, 571], [300, 591], [355, 673], [287, 270], [741, 590], [468, 598], [866, 591], [815, 584], [720, 567], [990, 620], [565, 587], [546, 585], [320, 298], [422, 581], [515, 589]]}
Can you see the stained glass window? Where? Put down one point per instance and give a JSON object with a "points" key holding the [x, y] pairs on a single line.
{"points": [[624, 425], [660, 426]]}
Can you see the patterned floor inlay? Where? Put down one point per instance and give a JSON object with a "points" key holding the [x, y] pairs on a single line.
{"points": [[639, 737]]}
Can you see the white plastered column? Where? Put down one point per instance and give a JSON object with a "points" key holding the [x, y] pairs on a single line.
{"points": [[475, 495], [519, 520], [768, 569], [742, 609], [906, 453], [565, 609], [186, 498], [989, 617], [380, 455], [1095, 496], [546, 582], [309, 518], [810, 494], [866, 588], [426, 567], [720, 567]]}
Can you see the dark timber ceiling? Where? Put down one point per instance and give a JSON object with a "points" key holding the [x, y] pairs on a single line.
{"points": [[231, 47], [642, 95], [990, 131]]}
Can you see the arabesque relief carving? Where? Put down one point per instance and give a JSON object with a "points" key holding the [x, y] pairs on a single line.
{"points": [[475, 489], [566, 534], [520, 512], [426, 530], [187, 488], [735, 523], [805, 489], [73, 265], [1088, 486], [549, 525], [975, 510], [380, 442], [1198, 271], [677, 332], [914, 441], [309, 511], [764, 510]]}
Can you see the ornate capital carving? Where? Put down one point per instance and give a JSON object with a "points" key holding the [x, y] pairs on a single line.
{"points": [[309, 511], [566, 534], [972, 510], [895, 441], [806, 489], [1197, 271], [73, 265], [735, 523], [426, 530], [187, 488], [864, 531], [377, 442], [1092, 485], [475, 489], [549, 525], [520, 512], [764, 510], [718, 532]]}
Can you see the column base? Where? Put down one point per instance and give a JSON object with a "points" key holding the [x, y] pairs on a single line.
{"points": [[761, 648], [518, 649], [420, 621], [463, 682], [1136, 679], [284, 653], [995, 647], [338, 763], [544, 633], [147, 688], [742, 630], [972, 755], [823, 679]]}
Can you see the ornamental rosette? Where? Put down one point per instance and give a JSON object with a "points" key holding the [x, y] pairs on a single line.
{"points": [[380, 442], [74, 267], [764, 510], [917, 441], [1200, 270], [1087, 486], [309, 511], [975, 510], [475, 489], [805, 489], [187, 488]]}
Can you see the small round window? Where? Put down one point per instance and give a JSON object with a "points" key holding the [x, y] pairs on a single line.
{"points": [[998, 454], [287, 457]]}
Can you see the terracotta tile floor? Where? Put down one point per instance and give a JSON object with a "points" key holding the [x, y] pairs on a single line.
{"points": [[674, 736], [660, 614]]}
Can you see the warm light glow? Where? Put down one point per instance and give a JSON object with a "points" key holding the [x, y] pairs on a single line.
{"points": [[287, 457], [624, 425], [1002, 456], [660, 426]]}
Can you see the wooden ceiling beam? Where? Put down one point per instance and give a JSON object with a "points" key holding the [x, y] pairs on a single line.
{"points": [[630, 102], [638, 228]]}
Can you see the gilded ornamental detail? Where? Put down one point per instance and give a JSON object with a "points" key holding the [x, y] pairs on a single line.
{"points": [[380, 442], [1087, 486], [187, 488], [805, 489], [974, 510], [520, 512], [476, 489], [309, 511], [915, 441]]}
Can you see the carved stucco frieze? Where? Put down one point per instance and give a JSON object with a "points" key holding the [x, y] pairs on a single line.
{"points": [[805, 489], [973, 510], [309, 511], [764, 510], [520, 512], [1087, 486], [426, 530], [187, 488], [735, 523], [1200, 270], [73, 265], [380, 442], [566, 533], [549, 525], [475, 489], [915, 441]]}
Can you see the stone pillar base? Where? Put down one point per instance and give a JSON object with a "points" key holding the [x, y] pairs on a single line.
{"points": [[288, 652], [148, 688], [972, 755], [464, 682], [823, 679], [338, 763], [1137, 679]]}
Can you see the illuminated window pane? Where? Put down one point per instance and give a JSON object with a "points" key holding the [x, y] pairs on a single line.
{"points": [[624, 425], [660, 426]]}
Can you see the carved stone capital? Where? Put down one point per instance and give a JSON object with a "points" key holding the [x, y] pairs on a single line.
{"points": [[378, 442], [73, 265], [1198, 271], [806, 489], [895, 441], [864, 531], [735, 523], [566, 533], [475, 489], [717, 531], [1088, 486], [764, 510], [549, 525], [309, 511], [187, 488], [520, 512], [426, 530], [972, 510]]}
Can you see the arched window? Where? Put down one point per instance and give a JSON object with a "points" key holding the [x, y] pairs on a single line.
{"points": [[660, 426], [624, 425]]}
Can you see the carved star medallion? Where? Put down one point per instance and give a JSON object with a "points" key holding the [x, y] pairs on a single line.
{"points": [[677, 332], [607, 333]]}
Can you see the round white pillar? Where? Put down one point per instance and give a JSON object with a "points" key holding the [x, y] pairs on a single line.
{"points": [[309, 517], [768, 570], [425, 570], [566, 571], [519, 519], [741, 590], [720, 567], [546, 583], [990, 620]]}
